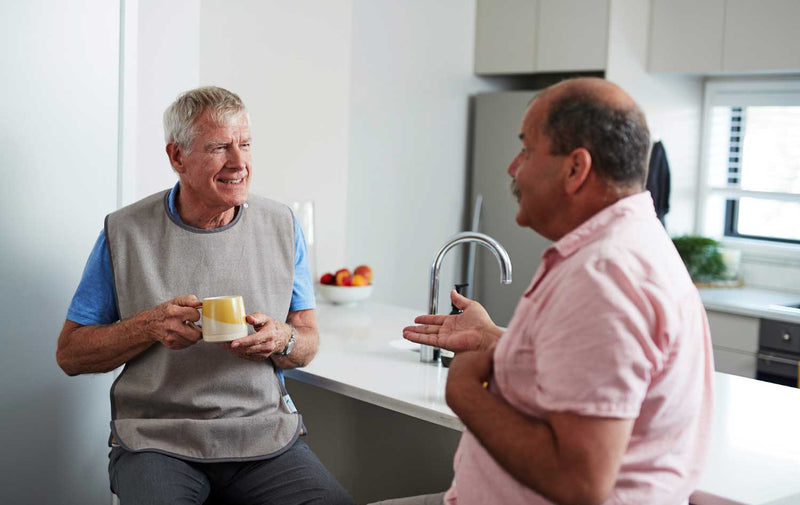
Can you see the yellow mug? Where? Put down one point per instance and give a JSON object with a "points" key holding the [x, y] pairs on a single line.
{"points": [[223, 318]]}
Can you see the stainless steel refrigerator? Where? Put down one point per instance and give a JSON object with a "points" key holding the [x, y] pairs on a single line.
{"points": [[497, 122]]}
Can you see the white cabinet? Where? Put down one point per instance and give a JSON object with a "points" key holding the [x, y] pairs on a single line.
{"points": [[686, 36], [735, 341], [761, 35], [526, 36], [719, 36]]}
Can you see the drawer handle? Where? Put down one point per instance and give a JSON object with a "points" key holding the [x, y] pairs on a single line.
{"points": [[786, 337], [778, 359]]}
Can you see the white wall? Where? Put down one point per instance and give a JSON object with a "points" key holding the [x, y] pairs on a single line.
{"points": [[167, 54], [290, 63], [672, 104], [58, 131], [411, 82]]}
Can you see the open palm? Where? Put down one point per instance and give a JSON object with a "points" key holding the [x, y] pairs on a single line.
{"points": [[469, 331]]}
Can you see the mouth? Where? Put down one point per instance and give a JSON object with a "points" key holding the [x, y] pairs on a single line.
{"points": [[231, 181]]}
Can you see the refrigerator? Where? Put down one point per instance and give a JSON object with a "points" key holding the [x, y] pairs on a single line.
{"points": [[496, 125]]}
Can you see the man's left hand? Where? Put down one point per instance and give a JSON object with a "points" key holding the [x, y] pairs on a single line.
{"points": [[271, 336]]}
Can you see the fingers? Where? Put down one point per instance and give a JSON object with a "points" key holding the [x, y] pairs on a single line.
{"points": [[437, 319], [258, 319], [187, 301], [421, 337]]}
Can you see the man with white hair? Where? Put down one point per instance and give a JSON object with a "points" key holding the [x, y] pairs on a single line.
{"points": [[192, 420]]}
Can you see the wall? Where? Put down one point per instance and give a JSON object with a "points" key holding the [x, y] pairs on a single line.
{"points": [[290, 63], [672, 104], [167, 55], [409, 126], [58, 125]]}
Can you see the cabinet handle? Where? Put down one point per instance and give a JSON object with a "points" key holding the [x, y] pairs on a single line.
{"points": [[786, 337]]}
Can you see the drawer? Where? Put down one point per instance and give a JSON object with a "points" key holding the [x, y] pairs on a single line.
{"points": [[779, 336]]}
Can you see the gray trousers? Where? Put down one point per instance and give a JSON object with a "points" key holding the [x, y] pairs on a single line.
{"points": [[292, 478], [426, 499]]}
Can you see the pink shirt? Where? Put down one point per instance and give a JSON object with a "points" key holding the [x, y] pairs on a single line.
{"points": [[611, 326]]}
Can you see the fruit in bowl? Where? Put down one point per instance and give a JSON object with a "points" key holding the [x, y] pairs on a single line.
{"points": [[345, 286]]}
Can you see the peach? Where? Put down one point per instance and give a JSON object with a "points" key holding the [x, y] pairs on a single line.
{"points": [[365, 272], [344, 278], [327, 278], [360, 280]]}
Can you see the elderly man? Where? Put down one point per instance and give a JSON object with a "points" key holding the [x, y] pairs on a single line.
{"points": [[600, 389], [193, 420]]}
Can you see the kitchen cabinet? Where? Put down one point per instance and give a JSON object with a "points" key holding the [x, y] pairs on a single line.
{"points": [[719, 36], [735, 341], [527, 36], [686, 36], [761, 35]]}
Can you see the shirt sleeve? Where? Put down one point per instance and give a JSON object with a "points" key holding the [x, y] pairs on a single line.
{"points": [[95, 302], [303, 286], [598, 354]]}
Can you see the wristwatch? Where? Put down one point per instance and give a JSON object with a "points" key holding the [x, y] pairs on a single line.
{"points": [[289, 344]]}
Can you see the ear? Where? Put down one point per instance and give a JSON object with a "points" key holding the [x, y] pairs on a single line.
{"points": [[176, 156], [579, 166]]}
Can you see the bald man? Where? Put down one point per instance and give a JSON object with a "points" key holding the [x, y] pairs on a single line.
{"points": [[600, 390]]}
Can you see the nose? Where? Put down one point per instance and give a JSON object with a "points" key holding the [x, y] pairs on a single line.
{"points": [[237, 158], [512, 168]]}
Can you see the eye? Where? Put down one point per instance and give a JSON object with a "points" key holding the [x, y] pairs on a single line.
{"points": [[245, 146]]}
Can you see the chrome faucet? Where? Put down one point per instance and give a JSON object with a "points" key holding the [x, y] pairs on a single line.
{"points": [[428, 353]]}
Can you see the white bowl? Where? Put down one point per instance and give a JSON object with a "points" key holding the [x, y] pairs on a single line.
{"points": [[344, 294]]}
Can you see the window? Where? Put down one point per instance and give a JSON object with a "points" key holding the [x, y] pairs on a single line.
{"points": [[750, 183]]}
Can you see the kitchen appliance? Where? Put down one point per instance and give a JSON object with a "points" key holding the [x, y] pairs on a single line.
{"points": [[778, 352]]}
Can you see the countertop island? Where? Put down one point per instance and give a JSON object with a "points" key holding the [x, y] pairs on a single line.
{"points": [[754, 454]]}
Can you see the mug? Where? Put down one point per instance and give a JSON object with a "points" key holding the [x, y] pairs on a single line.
{"points": [[223, 318]]}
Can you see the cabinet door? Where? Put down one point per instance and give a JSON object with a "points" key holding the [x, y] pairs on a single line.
{"points": [[735, 362], [572, 35], [761, 35], [505, 36], [735, 332], [686, 36]]}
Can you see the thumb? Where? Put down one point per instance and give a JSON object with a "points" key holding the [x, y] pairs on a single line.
{"points": [[187, 301], [458, 300]]}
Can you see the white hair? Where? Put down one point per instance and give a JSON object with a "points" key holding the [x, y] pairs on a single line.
{"points": [[180, 117]]}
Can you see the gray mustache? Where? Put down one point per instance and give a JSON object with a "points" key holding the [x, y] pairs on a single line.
{"points": [[515, 189]]}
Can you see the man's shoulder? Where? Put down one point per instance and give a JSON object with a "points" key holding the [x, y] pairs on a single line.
{"points": [[147, 202], [262, 204]]}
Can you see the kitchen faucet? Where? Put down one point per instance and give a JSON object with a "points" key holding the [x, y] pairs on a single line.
{"points": [[428, 353]]}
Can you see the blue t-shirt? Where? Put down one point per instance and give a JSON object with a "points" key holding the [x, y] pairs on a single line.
{"points": [[95, 303]]}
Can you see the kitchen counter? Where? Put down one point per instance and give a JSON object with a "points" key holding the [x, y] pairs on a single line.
{"points": [[753, 302], [754, 453]]}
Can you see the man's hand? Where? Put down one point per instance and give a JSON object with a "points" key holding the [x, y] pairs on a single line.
{"points": [[171, 323], [469, 331], [271, 336]]}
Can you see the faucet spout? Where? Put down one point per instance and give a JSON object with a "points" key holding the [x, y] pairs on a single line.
{"points": [[428, 353]]}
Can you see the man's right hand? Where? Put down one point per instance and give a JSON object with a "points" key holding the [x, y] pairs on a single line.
{"points": [[471, 330], [171, 323]]}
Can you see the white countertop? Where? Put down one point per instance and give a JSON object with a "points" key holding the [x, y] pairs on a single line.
{"points": [[754, 455], [753, 302]]}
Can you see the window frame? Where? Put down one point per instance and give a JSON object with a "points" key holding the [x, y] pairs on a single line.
{"points": [[741, 91]]}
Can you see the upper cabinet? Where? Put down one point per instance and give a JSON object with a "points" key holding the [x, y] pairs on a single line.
{"points": [[718, 36], [761, 35], [527, 36]]}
